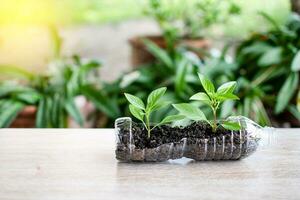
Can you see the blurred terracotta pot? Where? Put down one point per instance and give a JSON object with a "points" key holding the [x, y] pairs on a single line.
{"points": [[26, 118], [140, 55]]}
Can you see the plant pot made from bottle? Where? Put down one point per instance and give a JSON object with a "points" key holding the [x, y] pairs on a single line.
{"points": [[190, 141], [140, 55]]}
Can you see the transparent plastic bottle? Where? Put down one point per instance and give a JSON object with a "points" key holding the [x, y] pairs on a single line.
{"points": [[233, 146]]}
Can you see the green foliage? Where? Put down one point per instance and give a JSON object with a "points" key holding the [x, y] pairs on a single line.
{"points": [[213, 99], [52, 94], [9, 110], [266, 70], [296, 62], [287, 90], [189, 18], [190, 111], [154, 102]]}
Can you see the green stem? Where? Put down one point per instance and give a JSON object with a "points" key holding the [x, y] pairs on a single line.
{"points": [[148, 125], [214, 128]]}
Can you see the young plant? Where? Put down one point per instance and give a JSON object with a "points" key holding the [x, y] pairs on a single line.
{"points": [[154, 102], [213, 98]]}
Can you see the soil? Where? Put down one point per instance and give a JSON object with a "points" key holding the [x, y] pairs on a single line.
{"points": [[196, 141]]}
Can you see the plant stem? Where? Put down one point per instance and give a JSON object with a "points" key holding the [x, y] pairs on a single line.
{"points": [[148, 125], [214, 128]]}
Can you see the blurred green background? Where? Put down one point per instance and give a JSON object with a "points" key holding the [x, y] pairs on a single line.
{"points": [[69, 12], [72, 55]]}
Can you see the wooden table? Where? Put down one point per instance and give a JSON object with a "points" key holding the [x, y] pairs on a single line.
{"points": [[80, 164]]}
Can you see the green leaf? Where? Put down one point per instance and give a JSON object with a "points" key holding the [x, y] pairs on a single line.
{"points": [[298, 101], [247, 106], [190, 111], [180, 78], [154, 96], [102, 101], [201, 96], [286, 92], [228, 96], [160, 105], [73, 111], [260, 114], [256, 48], [56, 112], [16, 72], [135, 101], [296, 62], [159, 53], [271, 57], [295, 112], [207, 84], [41, 116], [227, 108], [234, 126], [172, 118], [227, 87], [28, 97], [136, 112], [7, 89], [10, 112]]}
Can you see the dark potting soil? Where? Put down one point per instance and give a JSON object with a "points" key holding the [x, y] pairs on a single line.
{"points": [[196, 141], [166, 134]]}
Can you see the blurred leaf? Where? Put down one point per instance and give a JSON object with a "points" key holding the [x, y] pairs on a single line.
{"points": [[73, 83], [247, 106], [296, 62], [57, 120], [256, 48], [181, 72], [298, 101], [41, 116], [271, 57], [16, 72], [295, 112], [159, 53], [10, 89], [73, 111], [259, 113], [270, 19], [28, 97], [10, 112], [56, 40], [227, 109], [104, 103], [286, 92]]}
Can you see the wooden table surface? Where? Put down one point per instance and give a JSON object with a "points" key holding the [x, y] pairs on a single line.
{"points": [[54, 164]]}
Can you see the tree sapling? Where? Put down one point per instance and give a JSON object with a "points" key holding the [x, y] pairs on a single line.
{"points": [[154, 102], [213, 99]]}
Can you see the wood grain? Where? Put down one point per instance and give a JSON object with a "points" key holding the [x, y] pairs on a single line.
{"points": [[80, 164]]}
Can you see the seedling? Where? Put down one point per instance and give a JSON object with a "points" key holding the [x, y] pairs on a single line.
{"points": [[213, 99], [154, 102]]}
